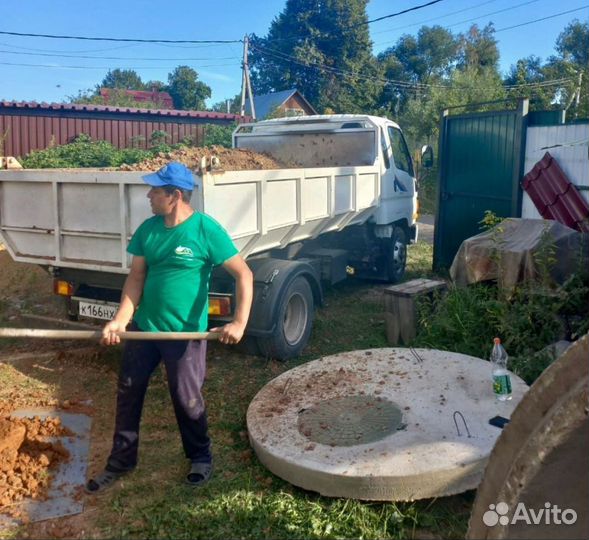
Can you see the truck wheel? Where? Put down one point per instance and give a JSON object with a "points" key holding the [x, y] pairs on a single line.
{"points": [[295, 319], [396, 255]]}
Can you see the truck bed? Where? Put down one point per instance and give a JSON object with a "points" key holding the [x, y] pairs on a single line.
{"points": [[83, 218]]}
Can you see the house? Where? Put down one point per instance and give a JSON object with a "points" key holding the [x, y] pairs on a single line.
{"points": [[162, 99], [286, 103]]}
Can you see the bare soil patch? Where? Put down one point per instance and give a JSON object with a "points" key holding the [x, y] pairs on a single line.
{"points": [[28, 459]]}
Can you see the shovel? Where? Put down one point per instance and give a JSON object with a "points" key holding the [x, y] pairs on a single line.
{"points": [[97, 334]]}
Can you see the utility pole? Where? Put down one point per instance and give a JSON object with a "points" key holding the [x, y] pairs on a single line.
{"points": [[576, 95], [578, 92], [246, 87]]}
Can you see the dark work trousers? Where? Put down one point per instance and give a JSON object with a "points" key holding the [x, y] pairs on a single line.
{"points": [[185, 363]]}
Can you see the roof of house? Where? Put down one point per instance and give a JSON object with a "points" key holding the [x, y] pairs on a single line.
{"points": [[555, 196], [154, 96], [265, 103], [7, 106]]}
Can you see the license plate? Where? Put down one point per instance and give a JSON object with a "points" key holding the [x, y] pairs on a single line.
{"points": [[97, 310]]}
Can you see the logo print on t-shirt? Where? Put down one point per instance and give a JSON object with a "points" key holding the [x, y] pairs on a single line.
{"points": [[183, 251]]}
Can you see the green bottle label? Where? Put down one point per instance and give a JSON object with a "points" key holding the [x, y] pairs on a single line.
{"points": [[501, 385]]}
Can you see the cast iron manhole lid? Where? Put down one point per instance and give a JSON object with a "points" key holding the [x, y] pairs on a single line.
{"points": [[350, 420], [380, 424]]}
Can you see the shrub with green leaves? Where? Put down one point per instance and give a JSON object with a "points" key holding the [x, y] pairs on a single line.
{"points": [[219, 135], [83, 151], [532, 316]]}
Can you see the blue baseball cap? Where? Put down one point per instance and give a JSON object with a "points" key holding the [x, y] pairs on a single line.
{"points": [[173, 174]]}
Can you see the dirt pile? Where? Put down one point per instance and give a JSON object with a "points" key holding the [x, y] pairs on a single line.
{"points": [[230, 159], [27, 459]]}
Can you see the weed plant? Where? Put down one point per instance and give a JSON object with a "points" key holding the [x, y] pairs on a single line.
{"points": [[85, 152], [527, 317]]}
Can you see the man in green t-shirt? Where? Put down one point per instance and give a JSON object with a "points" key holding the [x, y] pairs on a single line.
{"points": [[167, 291]]}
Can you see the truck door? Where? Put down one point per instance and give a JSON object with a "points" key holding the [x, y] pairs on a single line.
{"points": [[398, 182]]}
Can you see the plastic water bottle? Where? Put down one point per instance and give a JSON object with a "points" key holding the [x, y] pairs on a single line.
{"points": [[501, 379]]}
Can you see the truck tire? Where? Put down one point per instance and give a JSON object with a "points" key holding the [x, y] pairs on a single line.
{"points": [[295, 319], [396, 255]]}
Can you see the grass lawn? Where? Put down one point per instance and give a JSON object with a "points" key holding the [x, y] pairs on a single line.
{"points": [[244, 500]]}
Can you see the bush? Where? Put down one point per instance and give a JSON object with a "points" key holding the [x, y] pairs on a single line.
{"points": [[85, 152], [531, 317], [219, 135]]}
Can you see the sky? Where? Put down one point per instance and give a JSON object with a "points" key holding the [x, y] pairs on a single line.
{"points": [[51, 70]]}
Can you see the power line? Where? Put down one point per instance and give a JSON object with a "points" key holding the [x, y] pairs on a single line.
{"points": [[471, 19], [434, 18], [66, 51], [51, 36], [403, 84], [395, 14], [364, 23], [56, 66], [118, 57], [542, 19]]}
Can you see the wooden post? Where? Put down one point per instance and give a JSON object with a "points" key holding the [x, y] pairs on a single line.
{"points": [[401, 308]]}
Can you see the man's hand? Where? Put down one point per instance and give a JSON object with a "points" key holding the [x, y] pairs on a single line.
{"points": [[110, 332], [231, 333]]}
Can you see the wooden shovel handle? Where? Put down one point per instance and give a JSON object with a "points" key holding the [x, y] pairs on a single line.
{"points": [[97, 334]]}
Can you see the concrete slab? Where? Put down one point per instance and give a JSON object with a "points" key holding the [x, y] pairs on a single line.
{"points": [[438, 405], [69, 478]]}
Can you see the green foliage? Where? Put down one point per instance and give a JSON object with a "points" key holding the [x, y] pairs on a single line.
{"points": [[186, 90], [234, 105], [219, 135], [84, 152], [125, 79], [479, 49], [572, 43], [309, 33], [421, 117], [532, 316], [490, 220], [117, 97], [428, 191]]}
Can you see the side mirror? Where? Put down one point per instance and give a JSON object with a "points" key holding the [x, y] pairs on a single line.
{"points": [[427, 156]]}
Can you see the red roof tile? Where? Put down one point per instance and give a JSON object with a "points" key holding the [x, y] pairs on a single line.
{"points": [[555, 196]]}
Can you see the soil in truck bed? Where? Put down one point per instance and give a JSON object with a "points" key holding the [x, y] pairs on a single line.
{"points": [[230, 159]]}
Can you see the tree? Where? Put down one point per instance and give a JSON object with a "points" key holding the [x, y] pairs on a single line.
{"points": [[126, 79], [186, 90], [323, 49], [571, 44], [523, 75], [117, 97], [567, 68], [234, 105], [479, 49], [424, 59], [469, 86]]}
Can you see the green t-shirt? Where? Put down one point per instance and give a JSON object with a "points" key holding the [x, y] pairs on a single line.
{"points": [[179, 262]]}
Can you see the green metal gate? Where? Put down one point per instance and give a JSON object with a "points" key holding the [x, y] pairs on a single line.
{"points": [[481, 159]]}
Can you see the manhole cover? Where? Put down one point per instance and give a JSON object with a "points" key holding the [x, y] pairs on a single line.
{"points": [[350, 420], [380, 424]]}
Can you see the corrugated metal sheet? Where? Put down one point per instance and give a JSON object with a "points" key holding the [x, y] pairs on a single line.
{"points": [[480, 165], [568, 144], [555, 196], [77, 107], [27, 126]]}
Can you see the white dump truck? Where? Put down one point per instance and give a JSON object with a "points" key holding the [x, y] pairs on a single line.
{"points": [[348, 204]]}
